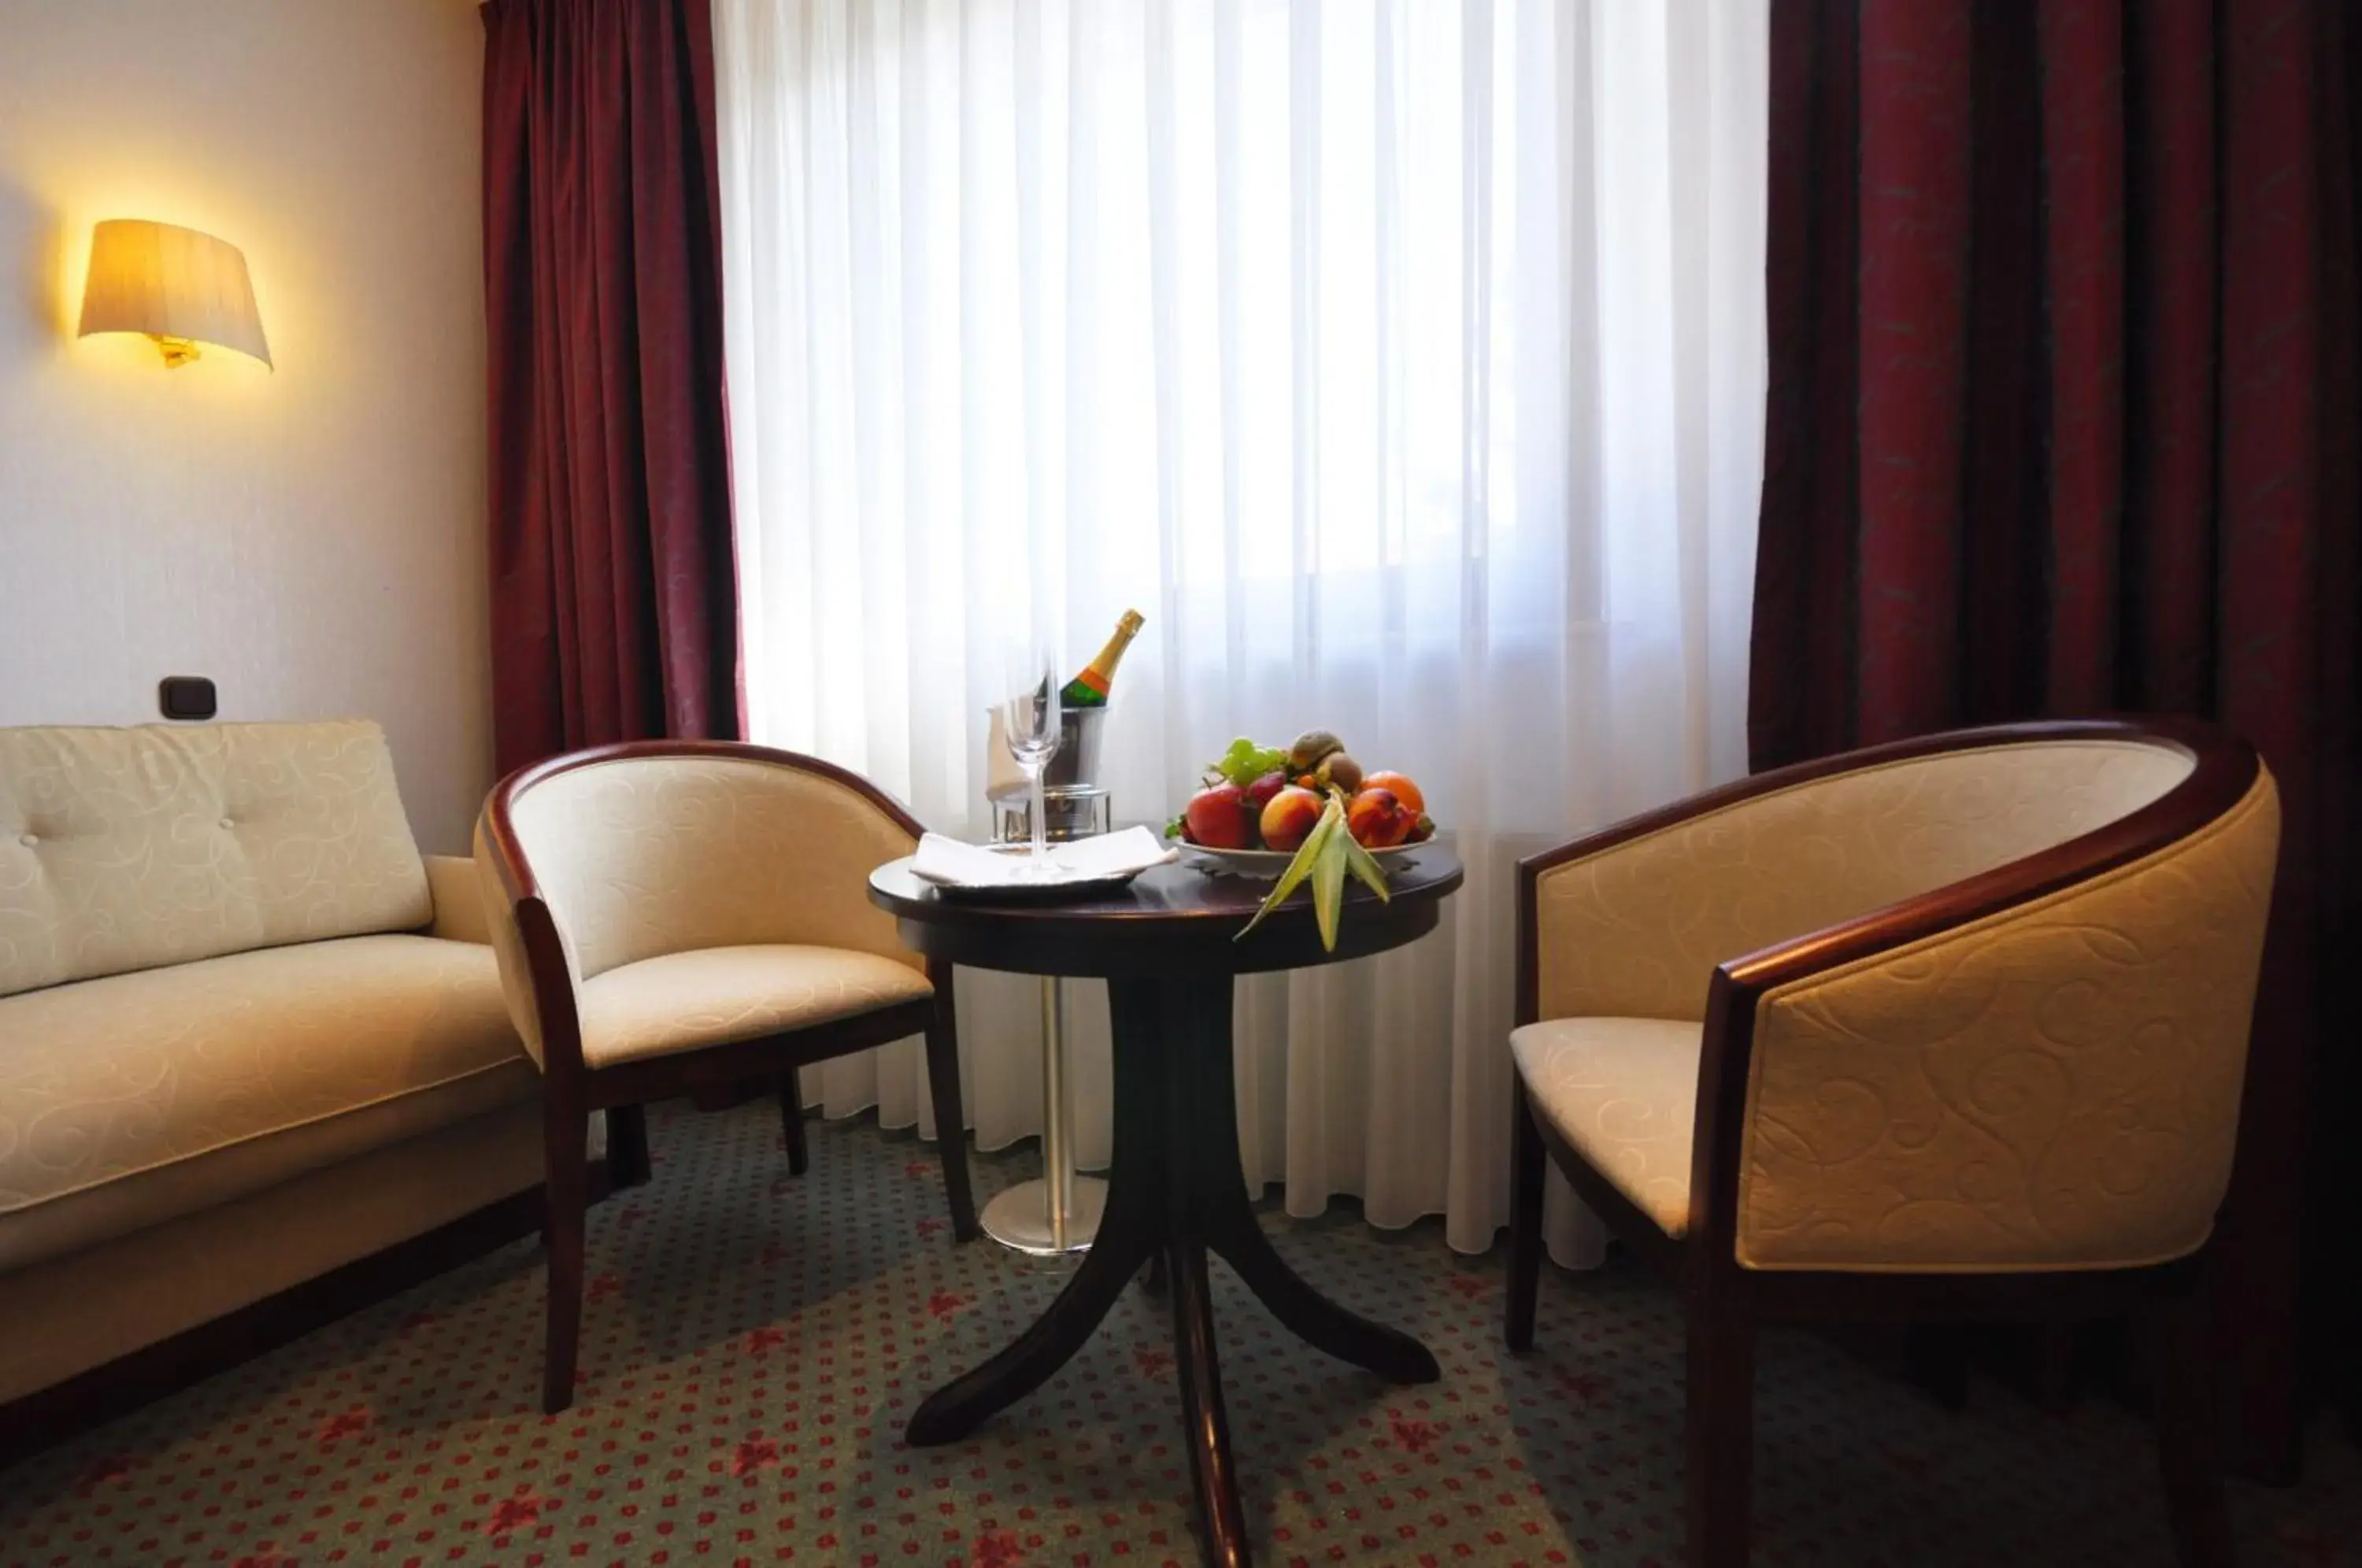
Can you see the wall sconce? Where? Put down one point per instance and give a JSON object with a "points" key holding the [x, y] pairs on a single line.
{"points": [[182, 288]]}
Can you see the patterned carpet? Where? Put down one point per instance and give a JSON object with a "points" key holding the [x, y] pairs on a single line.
{"points": [[753, 1345]]}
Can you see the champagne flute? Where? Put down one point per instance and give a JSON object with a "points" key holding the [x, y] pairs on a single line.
{"points": [[1030, 725]]}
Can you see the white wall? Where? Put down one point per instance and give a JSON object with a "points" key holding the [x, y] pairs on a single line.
{"points": [[312, 538]]}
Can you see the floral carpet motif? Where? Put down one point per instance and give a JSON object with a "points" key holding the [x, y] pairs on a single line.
{"points": [[754, 1342]]}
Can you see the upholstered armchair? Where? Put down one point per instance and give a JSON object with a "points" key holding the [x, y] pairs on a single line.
{"points": [[677, 914], [1949, 1029]]}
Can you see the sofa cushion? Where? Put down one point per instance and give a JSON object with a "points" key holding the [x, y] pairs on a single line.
{"points": [[121, 849], [139, 1098], [717, 996], [1623, 1093]]}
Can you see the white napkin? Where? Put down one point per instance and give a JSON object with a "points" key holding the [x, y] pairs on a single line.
{"points": [[949, 861]]}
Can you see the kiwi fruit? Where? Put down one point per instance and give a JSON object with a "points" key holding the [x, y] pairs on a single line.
{"points": [[1309, 748]]}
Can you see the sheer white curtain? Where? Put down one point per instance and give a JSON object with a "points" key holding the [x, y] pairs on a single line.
{"points": [[1401, 360]]}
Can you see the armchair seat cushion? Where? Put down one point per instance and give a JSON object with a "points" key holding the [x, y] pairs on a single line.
{"points": [[1623, 1093], [718, 996], [131, 1100]]}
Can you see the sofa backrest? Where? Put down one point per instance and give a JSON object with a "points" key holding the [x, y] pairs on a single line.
{"points": [[128, 848]]}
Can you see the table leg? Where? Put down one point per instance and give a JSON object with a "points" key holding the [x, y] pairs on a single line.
{"points": [[1176, 1190], [1135, 1228], [1313, 1318], [1220, 1520], [1211, 1154], [958, 1409]]}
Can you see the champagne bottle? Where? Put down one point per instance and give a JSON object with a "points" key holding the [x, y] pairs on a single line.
{"points": [[1090, 689]]}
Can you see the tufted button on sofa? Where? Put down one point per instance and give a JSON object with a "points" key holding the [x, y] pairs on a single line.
{"points": [[247, 1032]]}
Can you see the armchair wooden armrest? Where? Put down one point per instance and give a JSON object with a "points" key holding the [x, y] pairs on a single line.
{"points": [[675, 915], [1704, 907], [1970, 1015]]}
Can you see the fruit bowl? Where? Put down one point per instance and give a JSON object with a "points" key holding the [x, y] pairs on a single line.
{"points": [[1307, 816], [1266, 865]]}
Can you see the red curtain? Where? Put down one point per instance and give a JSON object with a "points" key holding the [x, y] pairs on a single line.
{"points": [[2062, 419], [614, 586]]}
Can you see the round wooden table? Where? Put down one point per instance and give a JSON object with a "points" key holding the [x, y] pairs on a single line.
{"points": [[1164, 946]]}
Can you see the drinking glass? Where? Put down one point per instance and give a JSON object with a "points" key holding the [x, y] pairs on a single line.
{"points": [[1028, 724]]}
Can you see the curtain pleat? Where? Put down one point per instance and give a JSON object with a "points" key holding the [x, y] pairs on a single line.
{"points": [[2061, 419], [1400, 362], [615, 596]]}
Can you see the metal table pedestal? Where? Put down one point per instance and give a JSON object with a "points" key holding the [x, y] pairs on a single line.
{"points": [[1058, 1213]]}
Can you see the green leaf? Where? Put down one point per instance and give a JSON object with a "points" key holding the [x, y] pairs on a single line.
{"points": [[1307, 856], [1359, 861], [1365, 867], [1328, 884]]}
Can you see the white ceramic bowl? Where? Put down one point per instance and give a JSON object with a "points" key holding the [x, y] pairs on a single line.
{"points": [[1266, 865]]}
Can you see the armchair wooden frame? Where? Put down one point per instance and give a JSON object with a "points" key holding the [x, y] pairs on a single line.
{"points": [[571, 1089], [1724, 1301]]}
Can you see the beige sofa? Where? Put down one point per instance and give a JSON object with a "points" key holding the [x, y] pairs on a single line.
{"points": [[248, 1033]]}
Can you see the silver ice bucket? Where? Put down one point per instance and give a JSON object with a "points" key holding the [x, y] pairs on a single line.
{"points": [[1076, 763], [1079, 811], [1075, 804], [1074, 766]]}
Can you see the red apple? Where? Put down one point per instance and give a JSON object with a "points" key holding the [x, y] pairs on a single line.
{"points": [[1217, 817], [1290, 816], [1260, 792], [1377, 819]]}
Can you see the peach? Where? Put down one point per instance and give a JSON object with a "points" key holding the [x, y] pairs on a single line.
{"points": [[1377, 820], [1218, 817], [1290, 817], [1399, 786]]}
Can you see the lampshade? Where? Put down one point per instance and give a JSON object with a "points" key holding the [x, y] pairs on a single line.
{"points": [[178, 286]]}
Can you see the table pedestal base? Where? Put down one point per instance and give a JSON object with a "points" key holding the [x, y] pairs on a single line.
{"points": [[1176, 1192]]}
